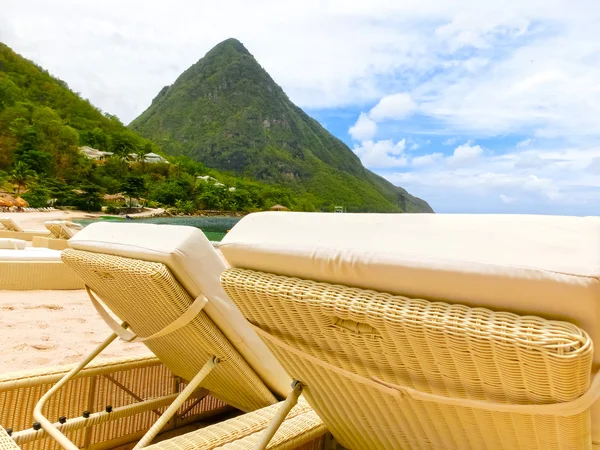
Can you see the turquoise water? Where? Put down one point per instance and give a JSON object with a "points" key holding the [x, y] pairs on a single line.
{"points": [[213, 227]]}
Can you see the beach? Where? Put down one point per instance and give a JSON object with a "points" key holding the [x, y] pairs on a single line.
{"points": [[34, 220], [49, 328]]}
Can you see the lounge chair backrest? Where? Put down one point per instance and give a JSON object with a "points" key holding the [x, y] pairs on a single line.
{"points": [[339, 300], [149, 275], [62, 229], [9, 224]]}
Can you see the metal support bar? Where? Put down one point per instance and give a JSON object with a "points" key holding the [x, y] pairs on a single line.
{"points": [[181, 398], [37, 411], [280, 416], [77, 423], [202, 395], [128, 391]]}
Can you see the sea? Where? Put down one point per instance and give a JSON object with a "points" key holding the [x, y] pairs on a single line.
{"points": [[214, 228]]}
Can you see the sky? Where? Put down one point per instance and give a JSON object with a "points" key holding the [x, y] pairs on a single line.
{"points": [[475, 106]]}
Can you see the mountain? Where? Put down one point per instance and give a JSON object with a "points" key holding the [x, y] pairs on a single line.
{"points": [[43, 124], [227, 112]]}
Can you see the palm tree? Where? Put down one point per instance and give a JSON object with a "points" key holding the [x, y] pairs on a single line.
{"points": [[21, 175]]}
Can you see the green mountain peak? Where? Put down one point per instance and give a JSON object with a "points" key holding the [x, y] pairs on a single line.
{"points": [[228, 113]]}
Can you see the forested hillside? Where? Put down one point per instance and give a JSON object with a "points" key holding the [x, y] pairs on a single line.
{"points": [[42, 125]]}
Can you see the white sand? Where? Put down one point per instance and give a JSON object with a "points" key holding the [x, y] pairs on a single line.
{"points": [[48, 328]]}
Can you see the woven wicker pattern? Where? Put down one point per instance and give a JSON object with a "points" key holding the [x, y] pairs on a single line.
{"points": [[32, 275], [148, 298], [119, 382], [301, 426], [450, 350], [6, 443]]}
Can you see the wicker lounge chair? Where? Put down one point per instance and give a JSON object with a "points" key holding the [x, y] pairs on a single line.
{"points": [[10, 225], [302, 429], [10, 229], [499, 356], [36, 268], [135, 388], [62, 229], [163, 281]]}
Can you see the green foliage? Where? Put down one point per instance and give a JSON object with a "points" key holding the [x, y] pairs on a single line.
{"points": [[185, 206], [89, 197], [38, 196], [21, 175], [227, 112], [112, 209], [167, 193], [133, 186]]}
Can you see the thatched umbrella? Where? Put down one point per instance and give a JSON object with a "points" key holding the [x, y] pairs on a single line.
{"points": [[5, 203], [114, 197], [7, 200], [279, 208], [21, 203]]}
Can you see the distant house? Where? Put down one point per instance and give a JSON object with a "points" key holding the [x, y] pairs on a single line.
{"points": [[95, 154], [208, 179], [148, 158], [154, 158]]}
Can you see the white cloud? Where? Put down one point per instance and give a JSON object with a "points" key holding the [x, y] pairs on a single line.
{"points": [[594, 166], [529, 160], [450, 141], [465, 154], [364, 128], [426, 160], [140, 46], [383, 154], [565, 182], [524, 143], [393, 107]]}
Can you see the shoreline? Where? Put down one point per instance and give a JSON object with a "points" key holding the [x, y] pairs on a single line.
{"points": [[34, 220]]}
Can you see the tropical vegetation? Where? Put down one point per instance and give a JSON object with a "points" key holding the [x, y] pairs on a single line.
{"points": [[44, 124]]}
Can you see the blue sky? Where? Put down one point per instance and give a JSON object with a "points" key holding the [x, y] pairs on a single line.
{"points": [[474, 106]]}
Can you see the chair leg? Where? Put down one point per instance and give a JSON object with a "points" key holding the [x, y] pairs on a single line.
{"points": [[280, 416], [180, 400], [329, 443], [47, 426]]}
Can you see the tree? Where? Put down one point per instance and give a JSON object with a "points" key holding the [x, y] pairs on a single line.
{"points": [[59, 192], [133, 186], [88, 197], [21, 175], [123, 143], [38, 196]]}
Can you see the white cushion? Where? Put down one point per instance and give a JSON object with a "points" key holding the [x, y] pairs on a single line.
{"points": [[30, 254], [12, 244], [196, 265], [543, 265]]}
